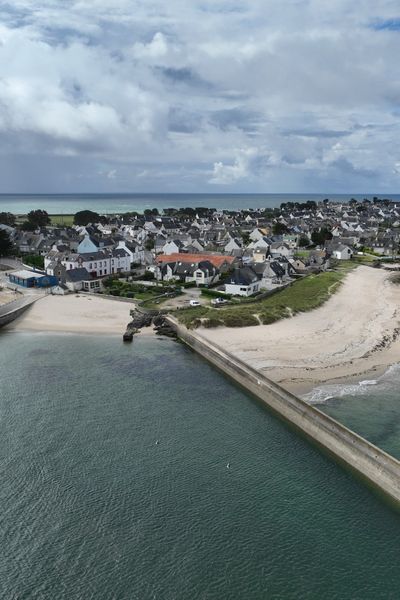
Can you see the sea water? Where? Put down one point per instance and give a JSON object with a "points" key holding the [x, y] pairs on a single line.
{"points": [[120, 203], [140, 472], [370, 407]]}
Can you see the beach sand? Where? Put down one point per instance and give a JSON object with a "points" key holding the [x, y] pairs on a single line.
{"points": [[353, 336], [76, 314]]}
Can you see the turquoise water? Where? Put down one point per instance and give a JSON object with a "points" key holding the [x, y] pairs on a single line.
{"points": [[113, 203], [371, 408], [91, 507]]}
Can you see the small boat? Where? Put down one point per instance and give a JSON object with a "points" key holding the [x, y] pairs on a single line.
{"points": [[228, 466], [157, 442]]}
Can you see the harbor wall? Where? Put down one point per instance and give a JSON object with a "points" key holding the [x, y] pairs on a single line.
{"points": [[13, 310], [370, 462]]}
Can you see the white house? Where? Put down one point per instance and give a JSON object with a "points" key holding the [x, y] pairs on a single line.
{"points": [[233, 246], [280, 249], [172, 247], [342, 252], [260, 255], [242, 282], [98, 264]]}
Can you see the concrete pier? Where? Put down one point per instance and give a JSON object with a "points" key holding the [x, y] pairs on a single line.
{"points": [[13, 310], [380, 469]]}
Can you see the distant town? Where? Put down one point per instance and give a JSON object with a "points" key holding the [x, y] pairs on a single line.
{"points": [[239, 254]]}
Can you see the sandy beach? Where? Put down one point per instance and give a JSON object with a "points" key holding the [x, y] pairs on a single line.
{"points": [[76, 314], [353, 336]]}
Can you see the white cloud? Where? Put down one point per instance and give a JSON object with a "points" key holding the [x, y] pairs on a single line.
{"points": [[287, 93]]}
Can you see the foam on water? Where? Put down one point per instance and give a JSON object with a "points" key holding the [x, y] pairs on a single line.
{"points": [[324, 393]]}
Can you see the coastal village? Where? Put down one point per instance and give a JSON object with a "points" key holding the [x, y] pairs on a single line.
{"points": [[236, 254]]}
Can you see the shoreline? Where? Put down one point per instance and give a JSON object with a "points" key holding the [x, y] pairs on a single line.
{"points": [[75, 314], [353, 336], [380, 470]]}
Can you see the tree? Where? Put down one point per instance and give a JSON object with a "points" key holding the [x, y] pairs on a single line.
{"points": [[5, 243], [245, 237], [304, 241], [84, 217], [279, 228], [149, 245], [320, 236], [7, 218], [38, 218]]}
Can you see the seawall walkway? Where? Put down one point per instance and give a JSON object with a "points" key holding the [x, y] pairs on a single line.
{"points": [[11, 311], [373, 464]]}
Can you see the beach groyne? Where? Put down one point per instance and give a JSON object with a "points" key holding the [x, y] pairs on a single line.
{"points": [[11, 311], [378, 468]]}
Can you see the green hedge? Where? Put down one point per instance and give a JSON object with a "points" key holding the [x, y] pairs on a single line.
{"points": [[215, 294]]}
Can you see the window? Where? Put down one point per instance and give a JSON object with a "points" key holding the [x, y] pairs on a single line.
{"points": [[243, 289]]}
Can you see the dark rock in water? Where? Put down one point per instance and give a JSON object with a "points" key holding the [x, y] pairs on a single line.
{"points": [[158, 320], [140, 319], [129, 333], [163, 328], [128, 336]]}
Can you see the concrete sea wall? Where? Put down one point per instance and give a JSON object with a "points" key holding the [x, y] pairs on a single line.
{"points": [[13, 310], [373, 464]]}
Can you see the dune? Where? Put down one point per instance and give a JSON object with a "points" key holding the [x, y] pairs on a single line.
{"points": [[355, 333]]}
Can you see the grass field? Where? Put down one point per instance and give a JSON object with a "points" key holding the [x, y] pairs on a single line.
{"points": [[303, 295], [66, 220]]}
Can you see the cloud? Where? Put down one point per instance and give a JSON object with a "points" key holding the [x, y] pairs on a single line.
{"points": [[290, 95]]}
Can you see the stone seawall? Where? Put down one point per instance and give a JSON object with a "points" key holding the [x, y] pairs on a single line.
{"points": [[373, 464], [13, 310]]}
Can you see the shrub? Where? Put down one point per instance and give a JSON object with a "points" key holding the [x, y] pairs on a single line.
{"points": [[212, 322], [215, 294], [237, 319], [148, 276], [115, 292], [109, 282]]}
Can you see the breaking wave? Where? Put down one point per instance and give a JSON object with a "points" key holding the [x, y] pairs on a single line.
{"points": [[324, 393]]}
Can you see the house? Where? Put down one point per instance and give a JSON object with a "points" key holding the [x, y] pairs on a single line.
{"points": [[30, 279], [242, 282], [269, 273], [342, 252], [234, 246], [172, 247], [280, 249], [75, 280], [88, 244], [205, 273], [223, 263], [201, 272], [260, 255], [98, 264]]}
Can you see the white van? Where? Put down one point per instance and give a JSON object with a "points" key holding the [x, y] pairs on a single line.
{"points": [[194, 303]]}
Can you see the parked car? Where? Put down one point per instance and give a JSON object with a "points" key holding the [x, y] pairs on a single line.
{"points": [[218, 301], [194, 303]]}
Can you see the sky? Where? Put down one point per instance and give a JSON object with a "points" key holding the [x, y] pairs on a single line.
{"points": [[214, 96]]}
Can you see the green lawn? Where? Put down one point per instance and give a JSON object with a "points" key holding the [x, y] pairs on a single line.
{"points": [[303, 295], [66, 220]]}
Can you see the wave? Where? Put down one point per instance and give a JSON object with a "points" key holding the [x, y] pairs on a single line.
{"points": [[324, 393]]}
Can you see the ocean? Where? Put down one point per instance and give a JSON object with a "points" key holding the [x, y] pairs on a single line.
{"points": [[370, 407], [119, 203], [115, 483]]}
